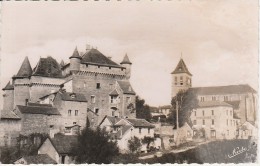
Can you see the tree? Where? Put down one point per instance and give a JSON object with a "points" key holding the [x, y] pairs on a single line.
{"points": [[142, 109], [94, 146], [147, 140], [187, 101], [134, 144]]}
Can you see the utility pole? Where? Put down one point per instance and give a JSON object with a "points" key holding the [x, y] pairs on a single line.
{"points": [[177, 123]]}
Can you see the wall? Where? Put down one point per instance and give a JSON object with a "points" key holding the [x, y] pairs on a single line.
{"points": [[21, 91], [144, 132], [9, 131], [176, 86], [8, 100]]}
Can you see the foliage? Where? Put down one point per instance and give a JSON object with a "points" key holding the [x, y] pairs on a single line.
{"points": [[147, 140], [125, 158], [134, 144], [142, 110], [94, 146], [199, 134], [187, 101]]}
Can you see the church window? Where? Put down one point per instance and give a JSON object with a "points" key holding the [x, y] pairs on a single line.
{"points": [[69, 112], [98, 86], [96, 110], [93, 99], [76, 112]]}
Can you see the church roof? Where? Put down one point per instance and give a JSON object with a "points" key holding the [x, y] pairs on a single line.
{"points": [[25, 69], [126, 60], [38, 110], [213, 104], [222, 90], [126, 87], [181, 68], [47, 67], [76, 54], [93, 56], [8, 86]]}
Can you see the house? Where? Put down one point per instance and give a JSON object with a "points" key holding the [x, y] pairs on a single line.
{"points": [[216, 118], [123, 129], [183, 134], [165, 110], [247, 130], [36, 159], [59, 148]]}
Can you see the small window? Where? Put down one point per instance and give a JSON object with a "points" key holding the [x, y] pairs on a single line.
{"points": [[51, 126], [212, 112], [74, 123], [194, 113], [227, 132], [98, 66], [227, 122], [212, 121], [203, 122], [203, 113], [86, 65], [122, 69], [109, 67], [96, 110], [201, 98], [93, 99], [181, 78], [230, 112], [69, 112], [194, 122], [26, 101], [227, 112], [148, 130], [98, 86], [213, 98], [76, 112], [140, 130]]}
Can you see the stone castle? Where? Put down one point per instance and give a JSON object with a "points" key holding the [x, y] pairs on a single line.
{"points": [[57, 97]]}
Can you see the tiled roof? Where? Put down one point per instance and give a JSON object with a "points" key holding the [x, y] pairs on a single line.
{"points": [[114, 93], [39, 159], [222, 90], [47, 67], [166, 107], [126, 60], [126, 87], [140, 123], [121, 132], [8, 86], [113, 120], [39, 105], [38, 110], [64, 143], [67, 96], [76, 54], [25, 69], [213, 104], [181, 68], [235, 104], [8, 114], [95, 57]]}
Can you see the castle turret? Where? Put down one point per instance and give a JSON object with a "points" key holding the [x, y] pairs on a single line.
{"points": [[75, 60], [127, 64], [181, 78], [21, 83], [8, 96]]}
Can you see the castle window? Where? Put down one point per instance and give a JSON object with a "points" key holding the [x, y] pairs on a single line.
{"points": [[76, 112], [212, 112], [212, 121], [51, 126], [227, 112], [98, 86], [203, 122], [98, 66], [109, 67], [194, 122], [122, 69], [194, 113], [113, 99], [84, 84], [69, 112], [203, 113], [148, 130], [96, 110], [93, 99], [26, 101], [140, 130], [225, 98]]}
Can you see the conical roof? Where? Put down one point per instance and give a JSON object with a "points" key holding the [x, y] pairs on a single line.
{"points": [[126, 60], [25, 69], [76, 54], [181, 68], [9, 86], [62, 63]]}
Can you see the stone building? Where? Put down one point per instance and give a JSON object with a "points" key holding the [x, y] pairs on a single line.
{"points": [[58, 97], [243, 98]]}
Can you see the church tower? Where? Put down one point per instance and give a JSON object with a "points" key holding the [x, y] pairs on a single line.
{"points": [[181, 78]]}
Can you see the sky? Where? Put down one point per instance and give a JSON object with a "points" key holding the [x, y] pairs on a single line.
{"points": [[218, 39]]}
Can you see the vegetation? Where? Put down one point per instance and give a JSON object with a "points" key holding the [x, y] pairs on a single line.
{"points": [[134, 145], [142, 110], [187, 101], [94, 146]]}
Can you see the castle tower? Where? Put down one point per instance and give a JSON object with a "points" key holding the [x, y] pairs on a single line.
{"points": [[8, 97], [127, 64], [75, 60], [181, 78], [21, 83]]}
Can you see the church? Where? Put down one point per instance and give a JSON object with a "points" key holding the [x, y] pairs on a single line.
{"points": [[57, 97], [221, 109]]}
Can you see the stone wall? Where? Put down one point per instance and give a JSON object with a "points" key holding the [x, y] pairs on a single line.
{"points": [[8, 100]]}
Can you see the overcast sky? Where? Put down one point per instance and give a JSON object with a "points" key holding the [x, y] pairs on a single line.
{"points": [[218, 39]]}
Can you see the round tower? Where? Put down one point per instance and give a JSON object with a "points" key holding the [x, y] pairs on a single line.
{"points": [[75, 60], [181, 78], [127, 64]]}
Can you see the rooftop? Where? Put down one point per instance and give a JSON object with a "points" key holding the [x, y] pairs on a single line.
{"points": [[126, 87], [213, 104], [39, 159], [140, 123], [126, 60], [25, 69], [64, 144], [8, 86], [8, 114], [181, 68], [45, 110]]}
